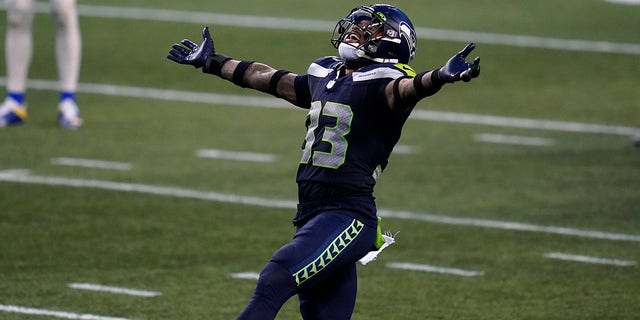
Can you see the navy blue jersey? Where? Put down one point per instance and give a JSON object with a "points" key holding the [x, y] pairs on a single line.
{"points": [[351, 131]]}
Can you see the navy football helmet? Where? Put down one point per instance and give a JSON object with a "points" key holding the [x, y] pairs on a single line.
{"points": [[388, 38]]}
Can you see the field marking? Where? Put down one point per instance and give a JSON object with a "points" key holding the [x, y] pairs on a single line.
{"points": [[506, 225], [23, 176], [314, 25], [510, 139], [91, 163], [235, 155], [270, 102], [433, 269], [246, 275], [588, 259], [522, 123], [55, 314], [111, 289], [631, 2], [405, 149]]}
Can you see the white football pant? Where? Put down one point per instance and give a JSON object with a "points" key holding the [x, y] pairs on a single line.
{"points": [[19, 43]]}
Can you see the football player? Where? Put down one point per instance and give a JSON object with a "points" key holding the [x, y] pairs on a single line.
{"points": [[18, 48], [358, 102]]}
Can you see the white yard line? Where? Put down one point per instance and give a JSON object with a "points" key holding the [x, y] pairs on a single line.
{"points": [[23, 176], [235, 155], [91, 163], [506, 225], [517, 140], [55, 313], [631, 2], [269, 102], [405, 149], [111, 289], [588, 259], [523, 123], [433, 269], [313, 25], [246, 275]]}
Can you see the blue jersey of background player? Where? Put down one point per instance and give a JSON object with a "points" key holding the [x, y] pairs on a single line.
{"points": [[358, 103]]}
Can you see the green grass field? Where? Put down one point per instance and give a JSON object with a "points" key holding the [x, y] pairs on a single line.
{"points": [[459, 203]]}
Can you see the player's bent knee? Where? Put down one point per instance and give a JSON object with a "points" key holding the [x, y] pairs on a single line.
{"points": [[276, 281]]}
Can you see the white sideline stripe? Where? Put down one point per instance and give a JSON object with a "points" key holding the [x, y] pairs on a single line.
{"points": [[91, 163], [55, 314], [433, 269], [23, 176], [235, 155], [246, 275], [587, 259], [110, 289], [269, 102], [509, 139], [313, 25]]}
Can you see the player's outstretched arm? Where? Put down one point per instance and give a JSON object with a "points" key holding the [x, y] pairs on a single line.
{"points": [[428, 83], [244, 73]]}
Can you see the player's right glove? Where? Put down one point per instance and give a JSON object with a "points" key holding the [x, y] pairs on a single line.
{"points": [[199, 56], [457, 68]]}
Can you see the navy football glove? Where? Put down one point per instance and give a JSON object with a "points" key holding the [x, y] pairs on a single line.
{"points": [[457, 68], [192, 54]]}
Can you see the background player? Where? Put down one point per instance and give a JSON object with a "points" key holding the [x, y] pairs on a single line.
{"points": [[358, 103], [18, 48]]}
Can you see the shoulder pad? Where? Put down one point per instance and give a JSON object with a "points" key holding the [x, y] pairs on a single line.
{"points": [[323, 66]]}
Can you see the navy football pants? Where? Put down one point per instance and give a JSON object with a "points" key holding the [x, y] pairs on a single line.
{"points": [[319, 265]]}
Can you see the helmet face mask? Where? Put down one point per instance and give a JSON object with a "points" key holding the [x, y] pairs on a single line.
{"points": [[380, 33]]}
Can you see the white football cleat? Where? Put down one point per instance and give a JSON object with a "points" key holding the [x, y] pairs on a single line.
{"points": [[69, 115], [12, 113]]}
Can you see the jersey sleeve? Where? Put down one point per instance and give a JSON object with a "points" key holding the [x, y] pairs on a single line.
{"points": [[303, 94]]}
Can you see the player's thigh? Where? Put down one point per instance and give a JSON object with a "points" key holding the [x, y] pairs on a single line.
{"points": [[332, 299], [326, 243]]}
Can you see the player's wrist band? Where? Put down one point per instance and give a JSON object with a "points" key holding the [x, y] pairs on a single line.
{"points": [[436, 79], [214, 63], [273, 83], [421, 90]]}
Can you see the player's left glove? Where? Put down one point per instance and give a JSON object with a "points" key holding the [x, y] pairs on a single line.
{"points": [[199, 56], [457, 68]]}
